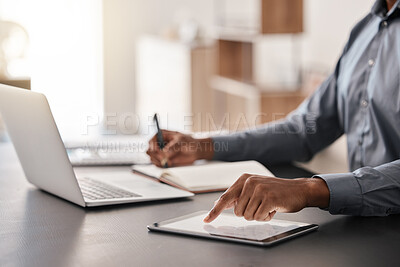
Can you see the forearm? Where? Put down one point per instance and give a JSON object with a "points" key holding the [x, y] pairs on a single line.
{"points": [[205, 148], [317, 193], [314, 190], [281, 141]]}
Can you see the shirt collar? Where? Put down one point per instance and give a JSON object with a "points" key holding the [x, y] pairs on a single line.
{"points": [[380, 8]]}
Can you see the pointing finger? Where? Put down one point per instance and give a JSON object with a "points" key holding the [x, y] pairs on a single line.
{"points": [[224, 202]]}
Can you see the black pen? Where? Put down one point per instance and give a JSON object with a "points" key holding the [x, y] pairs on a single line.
{"points": [[160, 140]]}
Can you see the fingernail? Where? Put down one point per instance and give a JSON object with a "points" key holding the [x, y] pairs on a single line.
{"points": [[164, 162], [206, 218]]}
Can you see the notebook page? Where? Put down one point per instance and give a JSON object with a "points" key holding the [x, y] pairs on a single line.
{"points": [[214, 176], [150, 170], [156, 172]]}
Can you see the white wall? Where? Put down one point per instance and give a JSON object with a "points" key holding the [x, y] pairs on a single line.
{"points": [[327, 26], [124, 22], [65, 55]]}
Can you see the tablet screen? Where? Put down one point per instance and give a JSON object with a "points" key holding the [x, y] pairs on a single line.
{"points": [[228, 225]]}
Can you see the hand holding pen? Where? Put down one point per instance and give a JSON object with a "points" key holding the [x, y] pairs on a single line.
{"points": [[160, 141], [172, 149]]}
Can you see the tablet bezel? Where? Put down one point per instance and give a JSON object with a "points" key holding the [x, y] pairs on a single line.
{"points": [[158, 227]]}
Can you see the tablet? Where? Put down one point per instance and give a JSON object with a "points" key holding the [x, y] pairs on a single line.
{"points": [[229, 227]]}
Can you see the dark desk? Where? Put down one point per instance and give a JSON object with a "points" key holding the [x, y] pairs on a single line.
{"points": [[37, 229]]}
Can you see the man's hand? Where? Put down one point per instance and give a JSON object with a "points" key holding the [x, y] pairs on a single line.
{"points": [[258, 198], [180, 149]]}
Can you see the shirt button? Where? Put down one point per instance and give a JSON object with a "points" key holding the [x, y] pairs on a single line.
{"points": [[364, 103], [385, 23], [371, 62]]}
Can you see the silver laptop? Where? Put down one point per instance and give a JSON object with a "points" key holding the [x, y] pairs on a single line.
{"points": [[43, 157]]}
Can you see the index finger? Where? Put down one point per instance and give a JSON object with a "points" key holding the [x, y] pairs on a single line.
{"points": [[172, 147], [227, 198], [169, 135], [224, 202]]}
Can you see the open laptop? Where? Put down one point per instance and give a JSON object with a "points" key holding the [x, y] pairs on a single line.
{"points": [[43, 157]]}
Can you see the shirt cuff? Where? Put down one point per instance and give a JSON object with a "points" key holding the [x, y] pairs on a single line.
{"points": [[345, 193], [225, 146]]}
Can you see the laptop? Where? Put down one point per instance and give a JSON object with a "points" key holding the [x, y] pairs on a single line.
{"points": [[45, 162]]}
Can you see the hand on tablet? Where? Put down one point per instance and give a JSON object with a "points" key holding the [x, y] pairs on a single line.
{"points": [[181, 149], [258, 198]]}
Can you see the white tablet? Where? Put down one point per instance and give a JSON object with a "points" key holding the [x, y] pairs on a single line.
{"points": [[231, 228]]}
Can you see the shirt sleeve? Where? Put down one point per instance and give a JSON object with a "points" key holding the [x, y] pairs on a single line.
{"points": [[367, 191], [311, 127]]}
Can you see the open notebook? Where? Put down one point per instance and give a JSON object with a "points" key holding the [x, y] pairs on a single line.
{"points": [[202, 178]]}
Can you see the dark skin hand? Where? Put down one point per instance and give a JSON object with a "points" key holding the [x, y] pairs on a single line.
{"points": [[181, 149], [253, 197], [256, 197]]}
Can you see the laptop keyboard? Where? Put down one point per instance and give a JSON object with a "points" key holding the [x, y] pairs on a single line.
{"points": [[96, 190]]}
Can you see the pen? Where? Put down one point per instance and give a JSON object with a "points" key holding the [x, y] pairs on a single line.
{"points": [[160, 140]]}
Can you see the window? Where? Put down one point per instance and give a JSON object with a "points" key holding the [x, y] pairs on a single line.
{"points": [[66, 58]]}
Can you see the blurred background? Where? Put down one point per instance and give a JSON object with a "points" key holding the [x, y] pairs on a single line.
{"points": [[204, 66]]}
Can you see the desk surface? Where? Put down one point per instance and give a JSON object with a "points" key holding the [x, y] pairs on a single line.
{"points": [[37, 229]]}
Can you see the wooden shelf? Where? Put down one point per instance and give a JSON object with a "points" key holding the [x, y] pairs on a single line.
{"points": [[235, 87], [273, 105], [21, 83], [236, 93], [277, 105], [237, 103], [275, 16], [281, 16], [235, 60], [235, 36]]}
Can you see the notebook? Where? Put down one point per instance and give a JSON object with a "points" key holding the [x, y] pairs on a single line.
{"points": [[203, 177]]}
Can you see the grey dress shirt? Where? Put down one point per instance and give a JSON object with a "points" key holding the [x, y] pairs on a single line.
{"points": [[360, 99]]}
